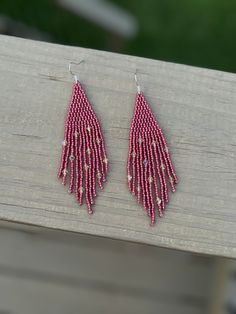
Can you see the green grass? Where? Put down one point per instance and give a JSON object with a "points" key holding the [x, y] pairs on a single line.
{"points": [[195, 32]]}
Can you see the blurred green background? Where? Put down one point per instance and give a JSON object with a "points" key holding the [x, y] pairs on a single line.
{"points": [[195, 32]]}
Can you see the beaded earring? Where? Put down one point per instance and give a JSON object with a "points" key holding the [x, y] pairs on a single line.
{"points": [[149, 164], [83, 160]]}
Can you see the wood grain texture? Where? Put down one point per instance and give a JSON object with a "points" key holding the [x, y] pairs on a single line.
{"points": [[195, 108]]}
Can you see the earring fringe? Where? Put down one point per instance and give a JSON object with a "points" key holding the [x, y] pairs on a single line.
{"points": [[83, 160], [149, 165]]}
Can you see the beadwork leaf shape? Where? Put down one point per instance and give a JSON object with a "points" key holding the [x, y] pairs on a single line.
{"points": [[149, 165], [83, 160]]}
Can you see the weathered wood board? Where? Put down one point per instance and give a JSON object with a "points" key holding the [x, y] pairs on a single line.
{"points": [[196, 109], [50, 271]]}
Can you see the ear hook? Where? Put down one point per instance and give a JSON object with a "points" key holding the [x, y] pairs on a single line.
{"points": [[136, 81], [75, 76]]}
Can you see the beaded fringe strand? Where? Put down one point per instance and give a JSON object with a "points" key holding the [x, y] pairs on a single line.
{"points": [[83, 161], [149, 164]]}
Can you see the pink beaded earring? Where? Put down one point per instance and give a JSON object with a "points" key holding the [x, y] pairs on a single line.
{"points": [[83, 160], [149, 163]]}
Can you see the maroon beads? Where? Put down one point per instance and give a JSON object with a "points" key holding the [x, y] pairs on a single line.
{"points": [[149, 166], [83, 160]]}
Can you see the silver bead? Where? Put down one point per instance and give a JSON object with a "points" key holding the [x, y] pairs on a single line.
{"points": [[81, 189], [89, 129], [162, 166], [88, 151], [129, 177], [133, 154], [105, 160], [145, 162], [65, 171], [86, 167], [64, 143], [76, 134], [158, 201], [98, 140], [150, 179], [140, 140], [72, 158], [99, 175]]}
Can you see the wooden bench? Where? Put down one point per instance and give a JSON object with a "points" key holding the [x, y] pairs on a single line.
{"points": [[195, 107]]}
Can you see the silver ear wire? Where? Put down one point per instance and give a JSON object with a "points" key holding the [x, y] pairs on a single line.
{"points": [[136, 82], [75, 76]]}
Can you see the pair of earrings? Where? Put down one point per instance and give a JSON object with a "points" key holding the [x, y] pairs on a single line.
{"points": [[84, 161]]}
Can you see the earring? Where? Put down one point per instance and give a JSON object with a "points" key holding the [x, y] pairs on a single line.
{"points": [[83, 160], [149, 164]]}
